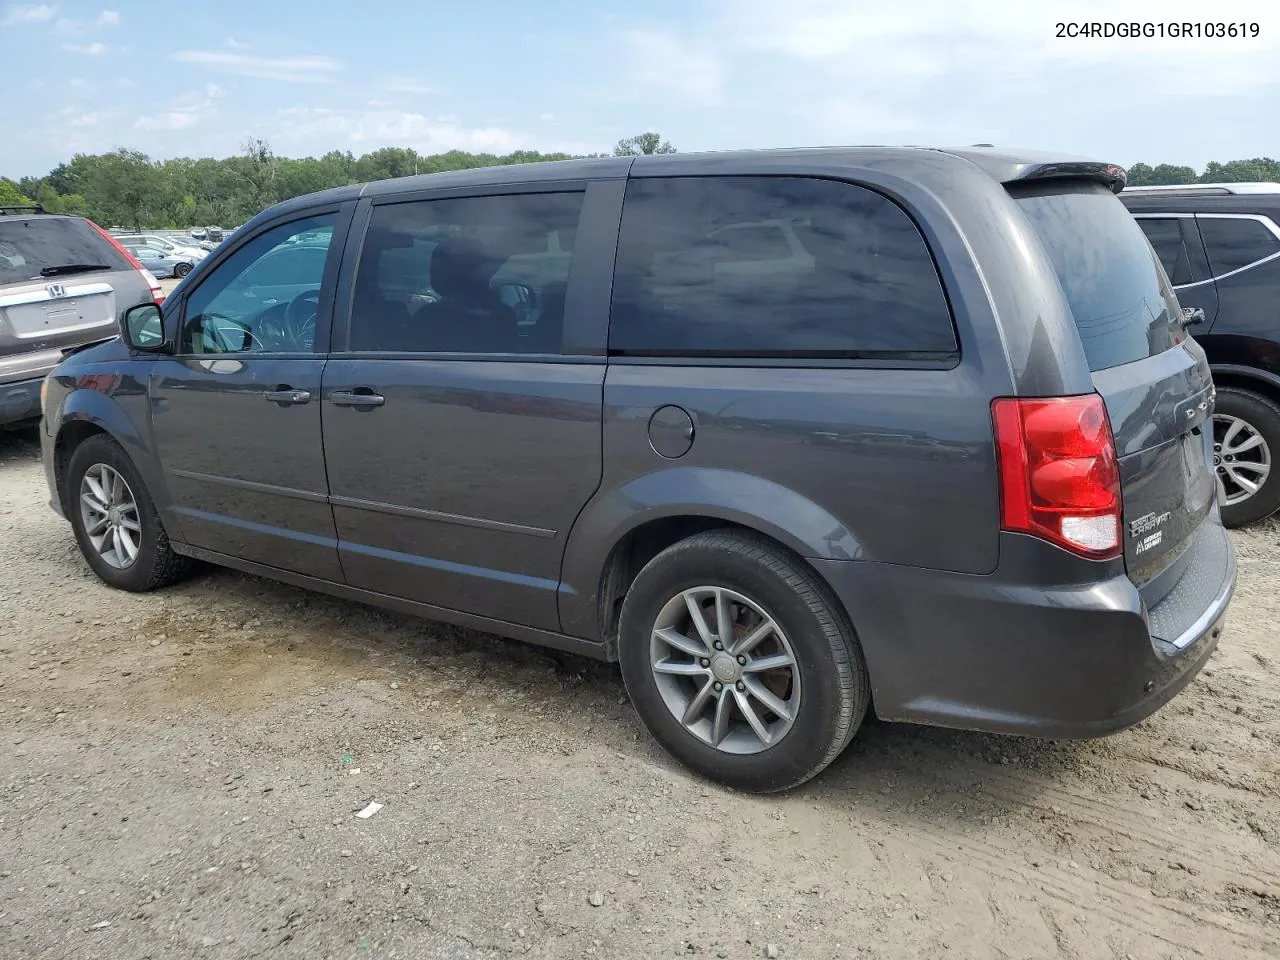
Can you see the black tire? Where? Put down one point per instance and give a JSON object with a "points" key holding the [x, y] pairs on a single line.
{"points": [[1263, 415], [156, 564], [180, 270], [832, 673]]}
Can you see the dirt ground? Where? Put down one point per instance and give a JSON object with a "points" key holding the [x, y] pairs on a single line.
{"points": [[182, 772]]}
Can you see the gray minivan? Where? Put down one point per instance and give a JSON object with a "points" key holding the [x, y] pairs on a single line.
{"points": [[790, 434]]}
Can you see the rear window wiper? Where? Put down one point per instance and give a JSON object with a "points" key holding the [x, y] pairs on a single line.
{"points": [[62, 269]]}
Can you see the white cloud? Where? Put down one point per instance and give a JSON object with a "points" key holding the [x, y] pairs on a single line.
{"points": [[406, 85], [185, 110], [32, 13], [305, 69], [234, 44], [109, 18], [94, 49], [84, 120], [302, 129], [664, 64]]}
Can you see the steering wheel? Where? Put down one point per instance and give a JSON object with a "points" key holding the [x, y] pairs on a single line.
{"points": [[222, 333], [300, 320]]}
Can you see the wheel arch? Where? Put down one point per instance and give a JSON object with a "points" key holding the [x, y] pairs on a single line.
{"points": [[86, 413], [621, 532]]}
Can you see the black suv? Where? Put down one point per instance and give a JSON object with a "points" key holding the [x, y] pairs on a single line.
{"points": [[1220, 245], [791, 434]]}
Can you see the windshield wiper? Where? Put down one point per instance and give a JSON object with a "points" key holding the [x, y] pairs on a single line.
{"points": [[63, 269]]}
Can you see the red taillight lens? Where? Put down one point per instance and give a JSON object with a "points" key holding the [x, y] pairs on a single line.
{"points": [[157, 294], [1059, 477]]}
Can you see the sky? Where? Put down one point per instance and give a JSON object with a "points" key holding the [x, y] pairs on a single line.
{"points": [[197, 78]]}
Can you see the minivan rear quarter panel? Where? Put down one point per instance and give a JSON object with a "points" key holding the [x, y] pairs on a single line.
{"points": [[846, 461]]}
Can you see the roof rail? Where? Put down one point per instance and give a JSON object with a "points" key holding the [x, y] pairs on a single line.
{"points": [[21, 208], [1207, 189]]}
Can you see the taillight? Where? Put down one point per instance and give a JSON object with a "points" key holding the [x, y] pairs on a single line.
{"points": [[1059, 476], [157, 292]]}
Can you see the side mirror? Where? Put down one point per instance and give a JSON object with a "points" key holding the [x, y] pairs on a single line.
{"points": [[143, 328]]}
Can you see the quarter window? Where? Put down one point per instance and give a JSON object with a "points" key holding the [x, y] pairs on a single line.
{"points": [[483, 275], [1234, 242], [1166, 239], [773, 266]]}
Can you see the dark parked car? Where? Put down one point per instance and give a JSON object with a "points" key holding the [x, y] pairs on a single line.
{"points": [[1220, 246], [63, 283], [939, 447]]}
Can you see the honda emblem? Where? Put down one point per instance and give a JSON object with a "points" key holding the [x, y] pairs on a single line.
{"points": [[56, 290]]}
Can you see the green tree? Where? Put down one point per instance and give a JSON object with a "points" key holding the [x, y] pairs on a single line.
{"points": [[642, 144], [11, 195], [121, 187]]}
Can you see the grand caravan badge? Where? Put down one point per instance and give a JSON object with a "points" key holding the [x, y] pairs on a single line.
{"points": [[1148, 527]]}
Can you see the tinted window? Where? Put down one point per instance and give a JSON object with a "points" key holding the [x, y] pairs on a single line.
{"points": [[772, 266], [29, 246], [264, 298], [1123, 306], [468, 275], [1236, 243], [1166, 240]]}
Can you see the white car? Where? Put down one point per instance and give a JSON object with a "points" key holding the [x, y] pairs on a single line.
{"points": [[169, 246]]}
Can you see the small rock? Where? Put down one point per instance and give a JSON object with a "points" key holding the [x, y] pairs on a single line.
{"points": [[155, 641], [345, 853], [771, 951], [1194, 805], [633, 873], [395, 686], [101, 925], [208, 941], [1199, 746], [596, 899]]}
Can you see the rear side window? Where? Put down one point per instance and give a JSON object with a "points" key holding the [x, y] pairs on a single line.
{"points": [[774, 267], [1123, 306], [1235, 242], [33, 248], [1166, 239]]}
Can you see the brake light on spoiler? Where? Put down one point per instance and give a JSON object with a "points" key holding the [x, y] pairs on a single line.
{"points": [[1059, 473]]}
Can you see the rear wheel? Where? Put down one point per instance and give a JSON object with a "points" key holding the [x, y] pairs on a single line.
{"points": [[741, 662], [115, 521], [1246, 442], [181, 270]]}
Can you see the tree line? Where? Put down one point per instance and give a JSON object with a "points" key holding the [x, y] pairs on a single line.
{"points": [[127, 188]]}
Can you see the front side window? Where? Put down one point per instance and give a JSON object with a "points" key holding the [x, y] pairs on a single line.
{"points": [[265, 297], [775, 267], [483, 275], [1235, 242]]}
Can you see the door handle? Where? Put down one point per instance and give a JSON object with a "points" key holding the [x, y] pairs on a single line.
{"points": [[359, 397], [286, 396]]}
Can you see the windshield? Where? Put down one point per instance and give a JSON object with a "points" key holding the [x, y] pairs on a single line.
{"points": [[1121, 300], [37, 247]]}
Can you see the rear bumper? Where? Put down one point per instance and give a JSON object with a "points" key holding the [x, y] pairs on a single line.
{"points": [[1004, 655], [20, 401]]}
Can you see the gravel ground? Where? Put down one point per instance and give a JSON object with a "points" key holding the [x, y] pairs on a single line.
{"points": [[185, 768]]}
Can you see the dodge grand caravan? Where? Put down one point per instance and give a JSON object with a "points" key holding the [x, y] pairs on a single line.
{"points": [[950, 463]]}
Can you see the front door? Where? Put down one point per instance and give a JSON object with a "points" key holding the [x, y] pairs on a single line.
{"points": [[236, 412], [461, 442]]}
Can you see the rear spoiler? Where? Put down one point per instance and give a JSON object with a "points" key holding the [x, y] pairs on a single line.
{"points": [[14, 210], [1107, 173]]}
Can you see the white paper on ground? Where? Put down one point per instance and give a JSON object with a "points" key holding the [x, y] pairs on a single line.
{"points": [[369, 811]]}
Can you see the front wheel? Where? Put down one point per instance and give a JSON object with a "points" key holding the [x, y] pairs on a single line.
{"points": [[115, 522], [1246, 441], [181, 270], [741, 662]]}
